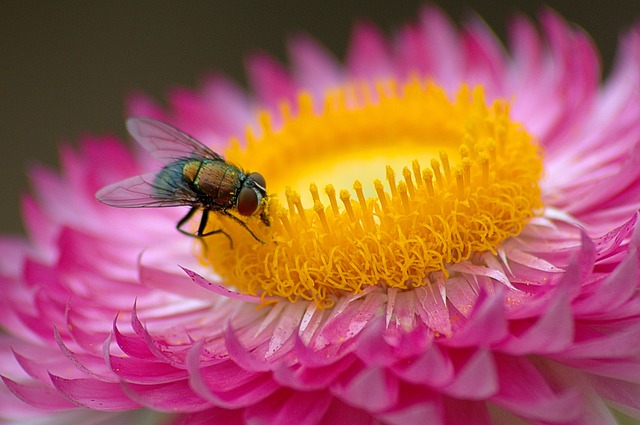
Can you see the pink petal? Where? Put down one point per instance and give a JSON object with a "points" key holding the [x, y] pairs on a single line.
{"points": [[90, 340], [486, 325], [373, 389], [213, 416], [314, 67], [612, 292], [351, 321], [132, 345], [418, 414], [140, 105], [368, 55], [88, 365], [462, 412], [230, 101], [38, 395], [94, 394], [143, 371], [242, 356], [552, 332], [218, 377], [526, 392], [290, 408], [626, 369], [611, 241], [319, 358], [442, 44], [433, 310], [372, 348], [477, 379], [619, 393], [270, 80], [433, 368], [312, 378], [220, 289], [141, 331], [604, 341], [339, 412], [485, 58], [171, 397], [242, 396]]}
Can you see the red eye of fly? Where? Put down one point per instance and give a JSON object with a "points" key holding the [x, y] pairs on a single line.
{"points": [[258, 179], [247, 201]]}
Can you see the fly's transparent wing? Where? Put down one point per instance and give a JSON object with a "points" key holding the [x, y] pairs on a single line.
{"points": [[166, 143], [148, 190]]}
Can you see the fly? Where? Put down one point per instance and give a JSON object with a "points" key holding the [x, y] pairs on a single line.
{"points": [[192, 175]]}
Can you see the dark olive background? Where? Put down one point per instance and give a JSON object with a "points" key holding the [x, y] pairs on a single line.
{"points": [[65, 67]]}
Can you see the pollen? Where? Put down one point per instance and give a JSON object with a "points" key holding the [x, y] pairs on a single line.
{"points": [[380, 185]]}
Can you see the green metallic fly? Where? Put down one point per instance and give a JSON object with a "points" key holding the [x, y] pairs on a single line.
{"points": [[193, 175]]}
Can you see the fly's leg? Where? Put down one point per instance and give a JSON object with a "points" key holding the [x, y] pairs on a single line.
{"points": [[203, 225], [200, 234], [184, 219], [242, 223]]}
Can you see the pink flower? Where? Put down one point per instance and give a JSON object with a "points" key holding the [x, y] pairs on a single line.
{"points": [[492, 280]]}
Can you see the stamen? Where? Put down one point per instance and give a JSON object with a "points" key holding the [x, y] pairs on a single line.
{"points": [[299, 207], [406, 173], [391, 179], [415, 165], [285, 223], [345, 197], [427, 177], [331, 194], [382, 197], [484, 163], [295, 204], [313, 189], [444, 159], [367, 218], [460, 182], [319, 209], [466, 167], [435, 165], [357, 186], [402, 190], [288, 193]]}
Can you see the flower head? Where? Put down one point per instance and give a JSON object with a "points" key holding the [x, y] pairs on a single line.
{"points": [[453, 239]]}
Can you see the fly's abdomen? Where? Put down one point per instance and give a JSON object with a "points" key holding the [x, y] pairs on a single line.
{"points": [[170, 180], [215, 179]]}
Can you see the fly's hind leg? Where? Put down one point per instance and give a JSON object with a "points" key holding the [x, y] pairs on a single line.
{"points": [[184, 219]]}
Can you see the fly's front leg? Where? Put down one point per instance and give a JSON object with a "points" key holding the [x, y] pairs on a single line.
{"points": [[243, 224]]}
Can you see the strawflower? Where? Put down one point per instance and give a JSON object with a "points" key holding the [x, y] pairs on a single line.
{"points": [[453, 240]]}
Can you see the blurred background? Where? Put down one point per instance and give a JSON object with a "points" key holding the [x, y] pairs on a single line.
{"points": [[66, 67]]}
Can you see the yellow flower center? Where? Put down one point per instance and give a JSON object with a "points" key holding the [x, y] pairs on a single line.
{"points": [[378, 186]]}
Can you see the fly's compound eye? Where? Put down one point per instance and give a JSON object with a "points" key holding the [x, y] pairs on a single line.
{"points": [[259, 180], [247, 201]]}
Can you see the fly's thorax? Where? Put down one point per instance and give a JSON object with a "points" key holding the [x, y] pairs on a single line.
{"points": [[214, 179]]}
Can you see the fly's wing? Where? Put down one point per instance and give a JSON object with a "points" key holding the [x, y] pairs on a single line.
{"points": [[166, 143], [147, 190]]}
